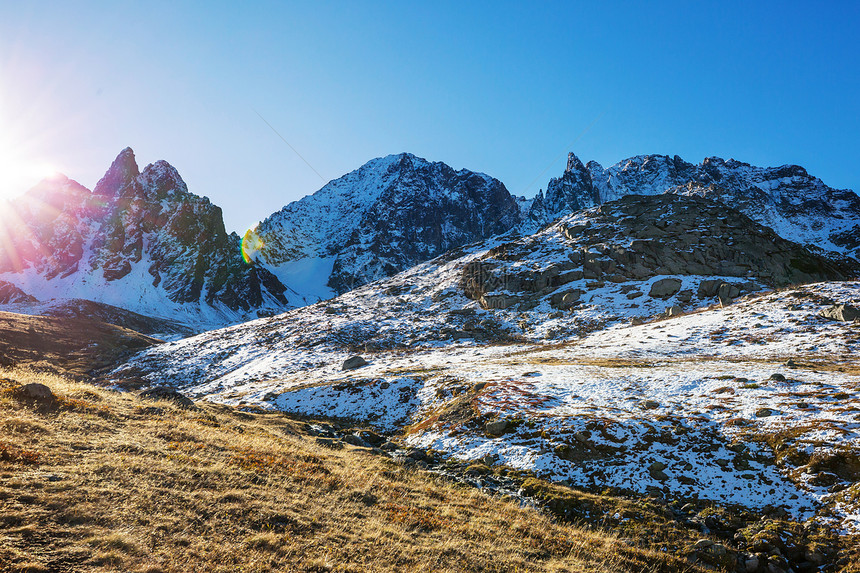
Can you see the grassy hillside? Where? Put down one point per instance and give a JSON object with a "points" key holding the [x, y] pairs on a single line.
{"points": [[97, 480], [68, 345]]}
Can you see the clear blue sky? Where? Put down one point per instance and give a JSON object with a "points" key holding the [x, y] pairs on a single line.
{"points": [[506, 88]]}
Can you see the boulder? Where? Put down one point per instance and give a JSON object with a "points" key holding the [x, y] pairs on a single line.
{"points": [[354, 362], [685, 295], [841, 312], [726, 293], [656, 471], [565, 300], [354, 440], [496, 427], [371, 438], [166, 394], [664, 288], [37, 392], [674, 310], [498, 301], [709, 288], [330, 443]]}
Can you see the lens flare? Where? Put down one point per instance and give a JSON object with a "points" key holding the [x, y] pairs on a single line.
{"points": [[251, 246]]}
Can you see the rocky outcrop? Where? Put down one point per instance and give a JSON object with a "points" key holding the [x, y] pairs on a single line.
{"points": [[140, 241], [798, 206], [10, 294], [386, 216], [841, 313], [638, 239]]}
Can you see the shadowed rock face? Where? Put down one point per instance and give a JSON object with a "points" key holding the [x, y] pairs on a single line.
{"points": [[387, 216], [639, 237], [798, 206], [144, 227]]}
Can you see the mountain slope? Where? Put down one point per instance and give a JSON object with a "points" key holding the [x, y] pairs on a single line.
{"points": [[628, 347], [382, 218], [796, 205], [140, 241]]}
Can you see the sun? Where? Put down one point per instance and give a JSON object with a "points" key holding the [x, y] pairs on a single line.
{"points": [[19, 173]]}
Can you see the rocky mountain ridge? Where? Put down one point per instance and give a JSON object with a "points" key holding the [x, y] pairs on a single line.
{"points": [[798, 206], [139, 240], [388, 215]]}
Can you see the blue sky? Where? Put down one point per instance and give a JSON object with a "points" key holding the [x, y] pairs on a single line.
{"points": [[507, 88]]}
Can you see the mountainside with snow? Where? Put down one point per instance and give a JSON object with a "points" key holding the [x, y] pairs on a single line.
{"points": [[639, 346], [140, 241], [386, 216], [796, 205]]}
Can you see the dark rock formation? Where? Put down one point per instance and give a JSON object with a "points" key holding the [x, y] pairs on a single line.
{"points": [[798, 206], [639, 237], [139, 238]]}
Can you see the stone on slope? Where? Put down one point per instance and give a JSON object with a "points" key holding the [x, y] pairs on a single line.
{"points": [[664, 288], [354, 362], [841, 312], [37, 392], [163, 393]]}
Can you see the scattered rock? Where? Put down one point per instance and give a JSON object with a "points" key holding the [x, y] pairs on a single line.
{"points": [[751, 564], [709, 288], [656, 471], [674, 310], [763, 413], [417, 454], [371, 438], [727, 293], [354, 362], [496, 427], [354, 440], [841, 312], [329, 443], [650, 404], [664, 288], [167, 394], [37, 392], [777, 377]]}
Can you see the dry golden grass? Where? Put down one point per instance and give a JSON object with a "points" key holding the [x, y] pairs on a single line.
{"points": [[73, 345], [102, 481]]}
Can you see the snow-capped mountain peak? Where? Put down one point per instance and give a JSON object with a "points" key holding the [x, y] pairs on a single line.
{"points": [[387, 215], [798, 206], [140, 241]]}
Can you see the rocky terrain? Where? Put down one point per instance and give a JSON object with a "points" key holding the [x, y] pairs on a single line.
{"points": [[789, 200], [386, 216], [652, 346], [680, 356], [143, 243]]}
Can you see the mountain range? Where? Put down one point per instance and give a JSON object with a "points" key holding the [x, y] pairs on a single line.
{"points": [[796, 205], [141, 241], [676, 335]]}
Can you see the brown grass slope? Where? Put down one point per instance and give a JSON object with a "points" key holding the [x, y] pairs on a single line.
{"points": [[68, 345], [101, 481]]}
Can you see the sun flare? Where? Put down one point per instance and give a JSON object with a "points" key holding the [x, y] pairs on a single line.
{"points": [[18, 174]]}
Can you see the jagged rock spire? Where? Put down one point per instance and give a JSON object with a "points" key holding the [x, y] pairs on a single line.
{"points": [[120, 178]]}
